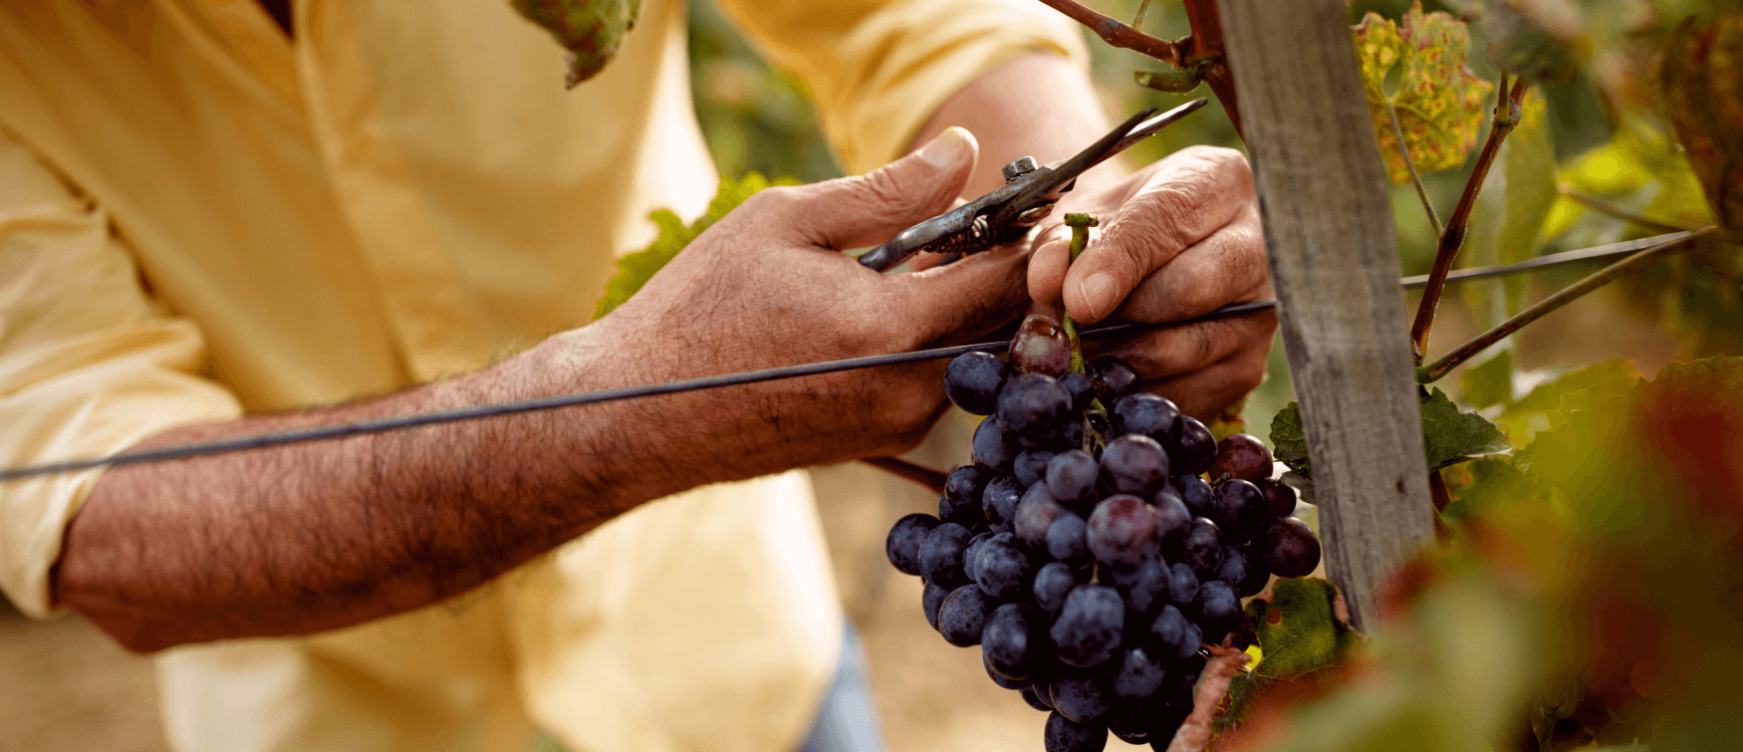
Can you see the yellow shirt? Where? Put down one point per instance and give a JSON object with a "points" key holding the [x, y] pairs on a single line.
{"points": [[200, 219]]}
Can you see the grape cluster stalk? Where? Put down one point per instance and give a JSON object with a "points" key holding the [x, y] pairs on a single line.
{"points": [[1084, 549]]}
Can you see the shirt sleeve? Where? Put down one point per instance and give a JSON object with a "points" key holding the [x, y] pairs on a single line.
{"points": [[89, 364], [878, 69]]}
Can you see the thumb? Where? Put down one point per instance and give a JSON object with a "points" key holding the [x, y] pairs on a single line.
{"points": [[865, 210]]}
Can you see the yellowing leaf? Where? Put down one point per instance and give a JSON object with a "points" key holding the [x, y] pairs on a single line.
{"points": [[1701, 75], [1438, 100], [635, 269]]}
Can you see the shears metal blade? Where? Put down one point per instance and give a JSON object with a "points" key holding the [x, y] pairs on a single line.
{"points": [[1012, 209]]}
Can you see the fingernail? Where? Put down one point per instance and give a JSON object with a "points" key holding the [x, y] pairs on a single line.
{"points": [[945, 148], [1097, 291]]}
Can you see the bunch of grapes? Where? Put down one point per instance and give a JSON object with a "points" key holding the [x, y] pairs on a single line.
{"points": [[1084, 550]]}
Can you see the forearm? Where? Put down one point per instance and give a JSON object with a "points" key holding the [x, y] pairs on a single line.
{"points": [[307, 537]]}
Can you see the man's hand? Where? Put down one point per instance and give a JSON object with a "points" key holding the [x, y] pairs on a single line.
{"points": [[1177, 239]]}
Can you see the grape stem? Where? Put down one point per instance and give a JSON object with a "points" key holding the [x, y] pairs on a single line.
{"points": [[1080, 224]]}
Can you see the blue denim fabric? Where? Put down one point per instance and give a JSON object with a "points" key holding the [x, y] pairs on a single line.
{"points": [[847, 720]]}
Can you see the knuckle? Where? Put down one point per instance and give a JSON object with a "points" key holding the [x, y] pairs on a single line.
{"points": [[885, 188]]}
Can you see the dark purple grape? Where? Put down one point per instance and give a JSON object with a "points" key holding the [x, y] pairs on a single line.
{"points": [[1099, 423], [1065, 540], [1182, 680], [1218, 610], [1053, 582], [1166, 720], [1241, 456], [1290, 548], [1140, 674], [999, 678], [1121, 532], [1081, 698], [941, 555], [1146, 589], [1195, 493], [930, 599], [906, 536], [1037, 698], [998, 503], [1031, 465], [1175, 636], [1146, 414], [971, 555], [1255, 575], [1089, 625], [966, 515], [1202, 549], [1071, 477], [1065, 735], [1238, 508], [1041, 346], [1234, 568], [1004, 572], [992, 448], [1182, 585], [1172, 516], [1130, 722], [1134, 465], [1033, 409], [1070, 438], [1113, 378], [1279, 498], [965, 484], [1014, 641], [1196, 450], [1035, 513], [964, 614], [1082, 390], [972, 381]]}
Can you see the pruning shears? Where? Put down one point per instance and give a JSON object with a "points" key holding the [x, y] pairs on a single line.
{"points": [[1012, 209]]}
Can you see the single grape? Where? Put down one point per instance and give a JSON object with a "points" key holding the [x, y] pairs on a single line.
{"points": [[1182, 584], [965, 484], [1195, 493], [1033, 409], [1053, 582], [1071, 437], [1202, 548], [1290, 548], [1071, 477], [1037, 698], [1041, 346], [1081, 698], [1279, 498], [1166, 720], [1130, 722], [1082, 390], [993, 450], [972, 381], [966, 515], [1065, 540], [964, 614], [1004, 572], [971, 555], [1147, 587], [1234, 568], [998, 503], [1196, 450], [1065, 735], [1182, 680], [1035, 513], [1113, 378], [1241, 456], [1134, 465], [1089, 625], [941, 555], [1031, 465], [1238, 507], [1218, 610], [930, 599], [1149, 415], [1121, 532], [1140, 674], [1172, 516], [1174, 635], [903, 544], [1257, 575], [1014, 641], [1000, 679]]}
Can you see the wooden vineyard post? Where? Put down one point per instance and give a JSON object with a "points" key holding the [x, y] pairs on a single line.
{"points": [[1328, 229]]}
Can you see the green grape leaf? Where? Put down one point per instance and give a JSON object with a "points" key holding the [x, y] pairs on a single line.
{"points": [[1438, 100], [1299, 633], [1701, 75], [1489, 382], [591, 30], [1289, 441], [1451, 436], [1605, 383], [635, 269]]}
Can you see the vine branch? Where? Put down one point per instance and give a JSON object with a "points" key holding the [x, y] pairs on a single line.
{"points": [[1117, 34], [1507, 112], [1410, 164], [925, 476], [1569, 294], [1605, 207]]}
